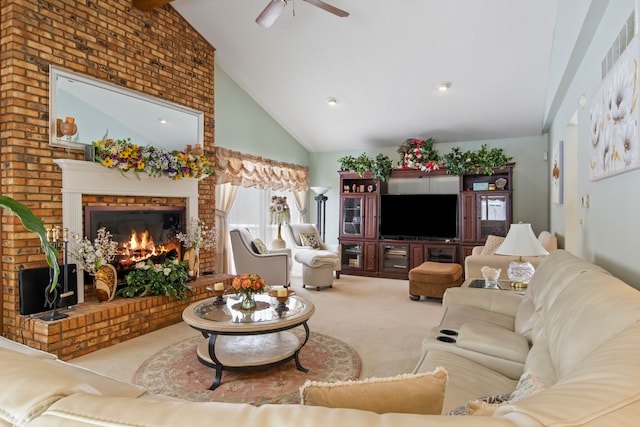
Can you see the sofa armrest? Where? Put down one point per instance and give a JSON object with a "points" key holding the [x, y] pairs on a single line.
{"points": [[503, 302]]}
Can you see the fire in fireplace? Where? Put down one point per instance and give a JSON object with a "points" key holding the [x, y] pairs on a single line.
{"points": [[141, 232]]}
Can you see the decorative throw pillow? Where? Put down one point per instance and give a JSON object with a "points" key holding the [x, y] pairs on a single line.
{"points": [[528, 384], [260, 247], [409, 393], [310, 239], [491, 245], [481, 405]]}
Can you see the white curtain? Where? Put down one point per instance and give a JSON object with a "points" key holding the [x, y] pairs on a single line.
{"points": [[300, 197], [235, 169], [225, 196]]}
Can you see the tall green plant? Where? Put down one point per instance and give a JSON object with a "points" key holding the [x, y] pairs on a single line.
{"points": [[34, 224]]}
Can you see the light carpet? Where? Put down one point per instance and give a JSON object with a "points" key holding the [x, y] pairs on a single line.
{"points": [[176, 372], [374, 316]]}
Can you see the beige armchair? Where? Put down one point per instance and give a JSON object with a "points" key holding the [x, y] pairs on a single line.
{"points": [[274, 266], [479, 258], [318, 259]]}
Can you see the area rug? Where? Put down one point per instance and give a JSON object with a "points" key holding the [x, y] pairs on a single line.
{"points": [[176, 372]]}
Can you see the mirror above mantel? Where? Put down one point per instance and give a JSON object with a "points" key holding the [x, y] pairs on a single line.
{"points": [[98, 108]]}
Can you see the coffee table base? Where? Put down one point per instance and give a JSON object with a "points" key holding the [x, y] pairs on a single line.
{"points": [[233, 352]]}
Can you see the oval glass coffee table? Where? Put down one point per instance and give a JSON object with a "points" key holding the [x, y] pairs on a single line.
{"points": [[248, 339]]}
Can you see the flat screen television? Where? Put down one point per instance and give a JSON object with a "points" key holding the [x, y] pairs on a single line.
{"points": [[419, 216]]}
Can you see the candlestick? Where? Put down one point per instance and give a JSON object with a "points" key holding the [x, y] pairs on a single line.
{"points": [[65, 235], [282, 292], [218, 286]]}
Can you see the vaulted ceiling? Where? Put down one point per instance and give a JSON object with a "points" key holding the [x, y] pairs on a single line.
{"points": [[382, 64]]}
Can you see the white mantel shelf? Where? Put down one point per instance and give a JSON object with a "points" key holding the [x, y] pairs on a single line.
{"points": [[82, 177]]}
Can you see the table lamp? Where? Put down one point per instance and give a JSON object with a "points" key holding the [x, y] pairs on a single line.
{"points": [[521, 242]]}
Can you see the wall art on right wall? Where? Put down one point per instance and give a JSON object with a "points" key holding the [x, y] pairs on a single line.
{"points": [[614, 114], [557, 172]]}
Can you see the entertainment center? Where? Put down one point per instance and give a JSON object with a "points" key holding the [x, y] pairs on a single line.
{"points": [[388, 228]]}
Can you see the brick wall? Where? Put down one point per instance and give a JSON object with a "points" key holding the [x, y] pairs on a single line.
{"points": [[154, 52]]}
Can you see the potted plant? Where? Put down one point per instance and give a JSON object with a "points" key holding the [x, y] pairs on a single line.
{"points": [[380, 166], [35, 224], [482, 161]]}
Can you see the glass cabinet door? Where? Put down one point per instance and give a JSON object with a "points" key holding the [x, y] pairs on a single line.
{"points": [[351, 255], [352, 210], [494, 215]]}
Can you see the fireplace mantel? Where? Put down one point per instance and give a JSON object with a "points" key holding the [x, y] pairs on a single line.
{"points": [[81, 177]]}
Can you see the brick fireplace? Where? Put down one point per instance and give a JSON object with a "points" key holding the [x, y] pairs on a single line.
{"points": [[157, 53], [90, 184], [92, 325]]}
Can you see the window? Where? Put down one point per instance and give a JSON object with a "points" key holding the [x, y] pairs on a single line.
{"points": [[251, 209]]}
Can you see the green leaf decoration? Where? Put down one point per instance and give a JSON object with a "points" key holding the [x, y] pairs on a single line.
{"points": [[34, 224]]}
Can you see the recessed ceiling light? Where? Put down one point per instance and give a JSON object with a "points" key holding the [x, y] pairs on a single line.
{"points": [[444, 86], [163, 121], [332, 101]]}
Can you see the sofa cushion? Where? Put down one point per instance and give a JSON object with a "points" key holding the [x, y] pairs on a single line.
{"points": [[493, 340], [591, 309], [525, 317], [417, 394], [31, 385], [467, 379], [602, 390], [491, 245]]}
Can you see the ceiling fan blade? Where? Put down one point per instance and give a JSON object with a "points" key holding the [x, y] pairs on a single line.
{"points": [[271, 13], [331, 9]]}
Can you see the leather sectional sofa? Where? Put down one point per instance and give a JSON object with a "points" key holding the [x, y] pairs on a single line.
{"points": [[576, 329]]}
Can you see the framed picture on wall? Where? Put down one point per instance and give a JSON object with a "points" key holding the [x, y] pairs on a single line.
{"points": [[557, 172], [613, 114]]}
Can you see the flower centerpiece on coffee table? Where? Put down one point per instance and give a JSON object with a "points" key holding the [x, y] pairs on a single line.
{"points": [[247, 285]]}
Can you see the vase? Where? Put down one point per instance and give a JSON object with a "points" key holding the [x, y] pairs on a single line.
{"points": [[192, 257], [248, 303], [278, 242], [105, 282]]}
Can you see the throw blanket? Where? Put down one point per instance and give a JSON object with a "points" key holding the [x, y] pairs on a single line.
{"points": [[316, 257]]}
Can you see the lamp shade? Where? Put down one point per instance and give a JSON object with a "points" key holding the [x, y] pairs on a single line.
{"points": [[320, 190], [521, 241]]}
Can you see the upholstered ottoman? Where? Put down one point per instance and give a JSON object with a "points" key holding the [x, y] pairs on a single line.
{"points": [[431, 279], [317, 267]]}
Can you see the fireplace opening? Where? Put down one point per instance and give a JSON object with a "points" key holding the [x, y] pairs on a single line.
{"points": [[142, 233]]}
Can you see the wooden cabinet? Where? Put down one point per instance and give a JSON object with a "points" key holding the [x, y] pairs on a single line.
{"points": [[485, 207], [358, 234], [485, 211]]}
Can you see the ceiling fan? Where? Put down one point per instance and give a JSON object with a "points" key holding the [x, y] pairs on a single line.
{"points": [[275, 7]]}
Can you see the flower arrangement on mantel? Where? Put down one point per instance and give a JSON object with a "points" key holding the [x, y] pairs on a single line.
{"points": [[123, 155], [419, 154]]}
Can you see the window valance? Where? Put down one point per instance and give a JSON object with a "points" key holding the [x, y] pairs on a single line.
{"points": [[253, 171]]}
